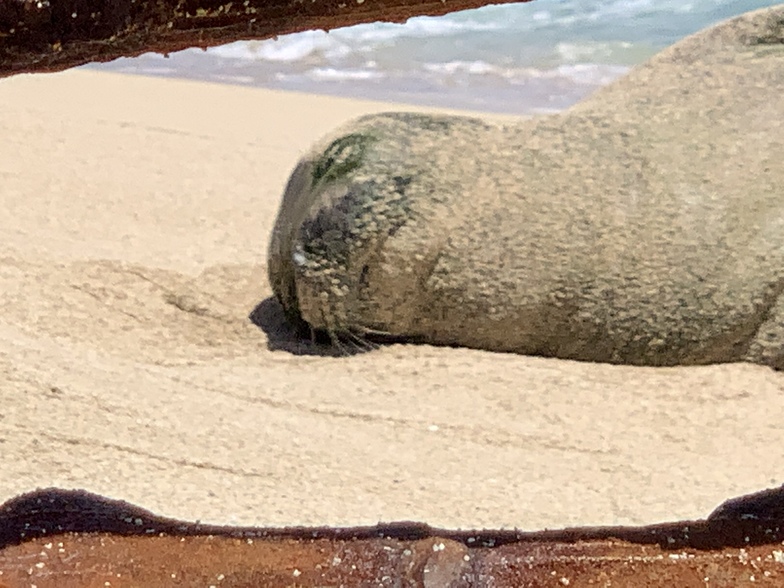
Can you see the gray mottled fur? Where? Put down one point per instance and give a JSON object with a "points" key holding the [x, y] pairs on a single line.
{"points": [[643, 226]]}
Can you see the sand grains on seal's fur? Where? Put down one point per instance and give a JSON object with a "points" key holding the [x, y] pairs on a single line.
{"points": [[642, 226]]}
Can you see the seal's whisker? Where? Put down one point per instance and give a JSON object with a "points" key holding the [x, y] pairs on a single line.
{"points": [[334, 339], [359, 340], [379, 336], [333, 334], [356, 346], [369, 331]]}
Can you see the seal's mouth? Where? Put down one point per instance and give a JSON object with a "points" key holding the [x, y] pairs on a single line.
{"points": [[348, 340], [303, 330]]}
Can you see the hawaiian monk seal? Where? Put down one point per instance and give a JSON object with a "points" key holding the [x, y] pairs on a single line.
{"points": [[643, 226]]}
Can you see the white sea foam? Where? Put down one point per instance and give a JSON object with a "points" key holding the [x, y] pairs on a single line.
{"points": [[592, 74], [229, 79], [418, 27], [288, 48], [578, 73], [594, 51], [333, 74], [468, 67]]}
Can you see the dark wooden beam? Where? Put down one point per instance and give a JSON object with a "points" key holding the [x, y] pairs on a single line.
{"points": [[72, 538]]}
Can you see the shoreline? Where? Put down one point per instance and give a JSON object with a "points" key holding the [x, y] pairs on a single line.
{"points": [[497, 101]]}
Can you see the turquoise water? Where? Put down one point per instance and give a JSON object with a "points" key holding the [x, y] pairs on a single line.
{"points": [[523, 58]]}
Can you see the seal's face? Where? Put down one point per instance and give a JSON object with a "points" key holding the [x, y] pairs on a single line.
{"points": [[338, 211], [363, 222]]}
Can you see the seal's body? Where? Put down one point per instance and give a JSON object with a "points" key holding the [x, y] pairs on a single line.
{"points": [[643, 226]]}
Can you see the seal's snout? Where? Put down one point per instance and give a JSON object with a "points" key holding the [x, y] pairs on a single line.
{"points": [[318, 223], [327, 235], [342, 203]]}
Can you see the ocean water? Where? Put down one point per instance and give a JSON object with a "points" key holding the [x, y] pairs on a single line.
{"points": [[540, 56]]}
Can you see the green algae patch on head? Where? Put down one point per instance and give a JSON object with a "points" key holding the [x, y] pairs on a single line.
{"points": [[341, 157]]}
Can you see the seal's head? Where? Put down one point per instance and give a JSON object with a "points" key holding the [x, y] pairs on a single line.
{"points": [[363, 221], [340, 206]]}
